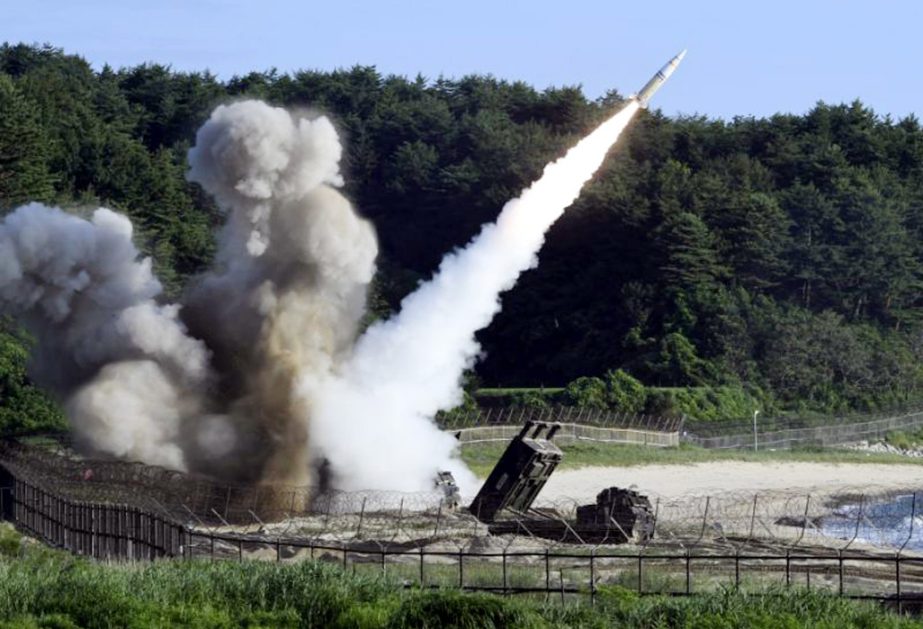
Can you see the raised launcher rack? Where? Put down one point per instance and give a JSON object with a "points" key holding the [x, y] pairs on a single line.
{"points": [[505, 500], [520, 473]]}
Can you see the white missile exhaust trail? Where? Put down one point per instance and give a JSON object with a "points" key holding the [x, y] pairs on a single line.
{"points": [[374, 420]]}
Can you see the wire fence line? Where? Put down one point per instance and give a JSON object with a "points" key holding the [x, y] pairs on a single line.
{"points": [[885, 519], [860, 543], [746, 540], [518, 415], [786, 433], [571, 433], [49, 461], [476, 425], [111, 532]]}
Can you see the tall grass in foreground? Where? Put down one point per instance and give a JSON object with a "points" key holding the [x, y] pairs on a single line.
{"points": [[43, 588]]}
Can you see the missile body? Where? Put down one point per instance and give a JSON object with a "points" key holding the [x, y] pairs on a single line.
{"points": [[658, 79]]}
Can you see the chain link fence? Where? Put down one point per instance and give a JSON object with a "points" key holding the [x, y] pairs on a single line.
{"points": [[518, 415], [784, 433], [495, 424]]}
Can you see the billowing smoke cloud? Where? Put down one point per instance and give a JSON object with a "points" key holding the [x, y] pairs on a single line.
{"points": [[288, 291], [81, 288], [209, 386], [374, 421], [259, 368]]}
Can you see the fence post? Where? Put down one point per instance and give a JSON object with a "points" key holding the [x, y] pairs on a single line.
{"points": [[704, 518], [688, 573], [94, 538], [840, 558], [361, 518], [897, 583], [547, 574], [753, 516], [788, 567], [737, 569], [592, 577], [505, 576], [438, 519], [897, 556], [422, 581], [640, 567], [461, 569]]}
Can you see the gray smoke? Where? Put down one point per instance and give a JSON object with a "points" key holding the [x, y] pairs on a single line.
{"points": [[258, 375], [210, 385], [293, 268], [82, 289]]}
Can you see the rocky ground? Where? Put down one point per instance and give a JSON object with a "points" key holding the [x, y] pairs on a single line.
{"points": [[882, 447]]}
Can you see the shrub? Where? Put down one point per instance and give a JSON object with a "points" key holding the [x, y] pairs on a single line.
{"points": [[529, 399], [625, 393], [587, 392], [709, 403]]}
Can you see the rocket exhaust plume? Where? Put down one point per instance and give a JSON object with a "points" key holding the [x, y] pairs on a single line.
{"points": [[257, 375], [374, 419]]}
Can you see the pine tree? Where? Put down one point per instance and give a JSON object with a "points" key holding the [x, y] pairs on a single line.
{"points": [[687, 253], [23, 172]]}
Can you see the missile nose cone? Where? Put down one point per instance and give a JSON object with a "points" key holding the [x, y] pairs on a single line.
{"points": [[658, 79]]}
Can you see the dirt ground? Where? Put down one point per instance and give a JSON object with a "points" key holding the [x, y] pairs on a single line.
{"points": [[675, 481]]}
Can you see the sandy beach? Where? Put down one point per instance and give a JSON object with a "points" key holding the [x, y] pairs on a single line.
{"points": [[674, 481]]}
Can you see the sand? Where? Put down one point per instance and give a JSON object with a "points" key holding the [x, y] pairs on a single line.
{"points": [[675, 481]]}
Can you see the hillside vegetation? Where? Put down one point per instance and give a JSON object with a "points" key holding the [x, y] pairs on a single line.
{"points": [[771, 261]]}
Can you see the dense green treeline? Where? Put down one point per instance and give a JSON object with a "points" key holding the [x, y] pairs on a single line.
{"points": [[781, 257]]}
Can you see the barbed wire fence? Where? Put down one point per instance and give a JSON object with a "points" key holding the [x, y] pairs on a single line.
{"points": [[784, 433], [857, 542], [861, 542], [518, 415], [472, 425]]}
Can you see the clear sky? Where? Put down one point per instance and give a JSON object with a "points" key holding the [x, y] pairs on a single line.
{"points": [[745, 58]]}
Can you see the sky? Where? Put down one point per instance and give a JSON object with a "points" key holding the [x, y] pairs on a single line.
{"points": [[745, 58]]}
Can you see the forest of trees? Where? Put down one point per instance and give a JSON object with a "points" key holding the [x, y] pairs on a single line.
{"points": [[781, 257]]}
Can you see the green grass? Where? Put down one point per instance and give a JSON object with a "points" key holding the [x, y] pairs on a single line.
{"points": [[905, 440], [44, 588], [481, 457]]}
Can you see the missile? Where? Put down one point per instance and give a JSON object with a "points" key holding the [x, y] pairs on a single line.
{"points": [[658, 79]]}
